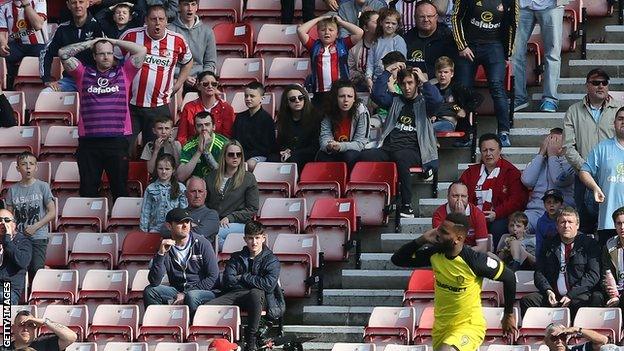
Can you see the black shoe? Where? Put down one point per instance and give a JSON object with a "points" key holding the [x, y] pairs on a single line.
{"points": [[251, 344], [407, 211]]}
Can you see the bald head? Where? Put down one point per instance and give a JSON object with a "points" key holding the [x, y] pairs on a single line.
{"points": [[196, 192]]}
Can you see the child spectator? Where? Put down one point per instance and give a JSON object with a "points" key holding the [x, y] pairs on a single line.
{"points": [[388, 39], [517, 250], [546, 227], [407, 9], [358, 55], [328, 54], [162, 195], [31, 202], [118, 18], [164, 143], [254, 128]]}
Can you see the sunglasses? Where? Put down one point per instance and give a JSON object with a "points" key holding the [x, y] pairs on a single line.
{"points": [[29, 325], [296, 98], [596, 83], [6, 219], [209, 84], [234, 154]]}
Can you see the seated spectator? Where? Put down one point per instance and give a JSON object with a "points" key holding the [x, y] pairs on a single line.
{"points": [[164, 143], [350, 10], [548, 170], [192, 285], [162, 195], [250, 279], [558, 337], [254, 128], [16, 255], [568, 269], [494, 186], [297, 128], [407, 136], [612, 265], [387, 40], [358, 54], [232, 191], [345, 128], [517, 250], [209, 101], [24, 329], [546, 227], [118, 18], [457, 202], [200, 153]]}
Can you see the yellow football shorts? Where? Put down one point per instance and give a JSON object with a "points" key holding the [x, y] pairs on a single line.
{"points": [[466, 337]]}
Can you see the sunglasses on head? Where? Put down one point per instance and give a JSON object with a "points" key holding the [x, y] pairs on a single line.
{"points": [[596, 83], [234, 154], [6, 219], [295, 98], [209, 84]]}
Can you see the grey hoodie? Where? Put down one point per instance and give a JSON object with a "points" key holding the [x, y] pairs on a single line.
{"points": [[201, 40], [359, 137]]}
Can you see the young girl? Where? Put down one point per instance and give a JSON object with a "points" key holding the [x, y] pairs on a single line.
{"points": [[359, 52], [162, 195], [388, 39]]}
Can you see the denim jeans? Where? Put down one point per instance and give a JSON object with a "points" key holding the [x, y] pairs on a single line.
{"points": [[492, 57], [551, 27], [162, 294], [586, 207], [67, 84], [225, 231], [443, 125]]}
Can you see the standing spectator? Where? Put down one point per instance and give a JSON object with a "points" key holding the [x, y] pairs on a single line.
{"points": [[387, 40], [209, 101], [568, 269], [350, 11], [254, 128], [16, 252], [586, 123], [153, 86], [546, 227], [79, 29], [104, 122], [201, 40], [358, 54], [25, 327], [190, 263], [484, 33], [611, 262], [549, 15], [407, 9], [23, 32], [494, 186], [558, 337], [164, 143], [162, 195], [118, 18], [288, 10], [603, 174], [170, 6], [249, 279], [345, 128], [232, 191], [31, 201], [548, 170]]}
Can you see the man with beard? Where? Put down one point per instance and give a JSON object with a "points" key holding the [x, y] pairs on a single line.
{"points": [[459, 270]]}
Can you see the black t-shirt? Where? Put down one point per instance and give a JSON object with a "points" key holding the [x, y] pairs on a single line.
{"points": [[404, 133], [485, 22], [43, 343], [448, 107]]}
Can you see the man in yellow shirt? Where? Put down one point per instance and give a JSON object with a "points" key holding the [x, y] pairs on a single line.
{"points": [[459, 270]]}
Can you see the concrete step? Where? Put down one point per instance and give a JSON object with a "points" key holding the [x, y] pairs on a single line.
{"points": [[538, 120], [426, 207], [362, 297], [565, 100], [316, 346], [415, 225], [516, 154], [337, 315], [532, 137], [323, 333], [604, 51], [374, 279], [378, 261], [614, 33], [579, 68], [390, 242]]}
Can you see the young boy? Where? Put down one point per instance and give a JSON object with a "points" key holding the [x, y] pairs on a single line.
{"points": [[254, 128], [518, 251], [358, 55], [546, 227], [328, 54], [32, 205], [164, 143]]}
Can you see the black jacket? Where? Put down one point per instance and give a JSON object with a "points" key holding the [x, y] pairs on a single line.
{"points": [[264, 272], [256, 133], [463, 98], [16, 258], [105, 19], [582, 269], [429, 49]]}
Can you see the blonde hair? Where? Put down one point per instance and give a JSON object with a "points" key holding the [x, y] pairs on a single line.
{"points": [[327, 22], [239, 176], [444, 62]]}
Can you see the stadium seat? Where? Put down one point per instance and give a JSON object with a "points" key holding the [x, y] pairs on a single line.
{"points": [[103, 287], [138, 283], [276, 179], [299, 257], [66, 181], [237, 72], [281, 215], [348, 346], [29, 81], [268, 102], [126, 346], [54, 286], [216, 10], [598, 8], [175, 346], [15, 140], [276, 40], [75, 317], [535, 321], [604, 320], [572, 18], [84, 213], [422, 334], [44, 173], [60, 144], [137, 250], [419, 288], [525, 284], [234, 242], [494, 333], [334, 221], [93, 251], [55, 108], [188, 97], [57, 252], [390, 325], [373, 187], [164, 323], [287, 70], [234, 39], [138, 178], [395, 347], [534, 61], [17, 99], [263, 9], [82, 346], [497, 347], [215, 322], [17, 308], [492, 293], [322, 179], [114, 323], [125, 216]]}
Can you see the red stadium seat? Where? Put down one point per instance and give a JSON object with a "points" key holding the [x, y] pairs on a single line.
{"points": [[604, 320], [57, 251], [44, 173], [66, 182], [280, 215], [29, 81], [59, 145], [299, 256], [420, 287], [263, 9], [93, 251], [535, 321], [138, 178], [114, 323], [348, 346], [534, 61], [212, 10], [17, 99], [125, 216], [15, 140], [137, 250], [394, 347], [234, 38], [234, 242], [238, 72], [55, 108], [494, 333], [82, 346], [422, 334], [496, 347], [525, 284], [75, 317], [492, 293], [322, 179], [84, 212], [572, 18], [277, 40], [164, 323], [287, 70], [373, 186], [276, 179], [54, 286], [334, 220], [390, 325], [598, 8], [215, 322], [176, 346], [126, 346]]}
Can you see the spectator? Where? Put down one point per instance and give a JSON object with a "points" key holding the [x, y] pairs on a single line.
{"points": [[494, 186], [170, 6], [586, 123], [407, 136], [407, 9], [249, 280], [200, 154], [78, 30], [345, 128], [546, 227], [358, 54], [612, 266], [189, 262], [102, 132], [568, 269], [164, 143], [118, 18], [557, 338], [549, 15], [96, 8], [209, 101], [548, 170], [162, 195], [457, 202], [201, 40], [254, 128], [350, 10], [16, 255], [288, 10], [603, 174], [153, 87], [32, 202], [232, 191], [325, 71], [23, 32], [387, 40], [517, 250], [484, 36], [25, 327], [7, 115], [393, 61], [297, 128]]}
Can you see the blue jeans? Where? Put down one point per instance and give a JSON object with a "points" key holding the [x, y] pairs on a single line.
{"points": [[492, 57], [225, 231], [551, 27], [162, 294], [443, 125], [586, 207], [67, 84]]}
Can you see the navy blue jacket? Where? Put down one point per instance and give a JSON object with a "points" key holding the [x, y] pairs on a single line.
{"points": [[264, 272], [16, 258]]}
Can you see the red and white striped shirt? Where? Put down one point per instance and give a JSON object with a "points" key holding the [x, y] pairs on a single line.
{"points": [[327, 63], [153, 84], [14, 21], [407, 9]]}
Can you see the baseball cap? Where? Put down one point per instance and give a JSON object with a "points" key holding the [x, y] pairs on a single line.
{"points": [[556, 193], [178, 215], [222, 345]]}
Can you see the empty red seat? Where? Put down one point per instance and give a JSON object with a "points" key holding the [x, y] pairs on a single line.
{"points": [[236, 73], [103, 286], [125, 216], [66, 181], [420, 287], [299, 256], [234, 38], [84, 213], [230, 10], [126, 346], [422, 334], [176, 346], [277, 40], [373, 186], [57, 253], [348, 346], [114, 323], [390, 325], [60, 144], [93, 251], [262, 9], [535, 321], [15, 140], [55, 108], [82, 346], [334, 221], [494, 333], [164, 323], [276, 179], [287, 70], [215, 322], [281, 215], [322, 179], [54, 286], [17, 99]]}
